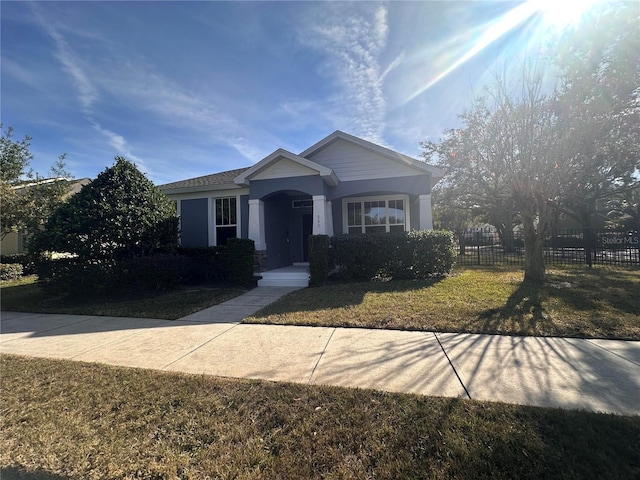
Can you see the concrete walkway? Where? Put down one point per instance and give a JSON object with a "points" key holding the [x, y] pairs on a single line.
{"points": [[596, 375]]}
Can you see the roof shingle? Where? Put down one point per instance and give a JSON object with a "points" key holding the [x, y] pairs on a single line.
{"points": [[222, 178]]}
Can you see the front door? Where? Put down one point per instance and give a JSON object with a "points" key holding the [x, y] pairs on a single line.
{"points": [[307, 229]]}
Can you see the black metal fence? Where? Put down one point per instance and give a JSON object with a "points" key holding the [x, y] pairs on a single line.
{"points": [[485, 246]]}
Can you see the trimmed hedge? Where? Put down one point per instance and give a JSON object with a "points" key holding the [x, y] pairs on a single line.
{"points": [[411, 255], [10, 271], [434, 253], [240, 252], [360, 256], [149, 273], [208, 264], [64, 275], [319, 259], [232, 263]]}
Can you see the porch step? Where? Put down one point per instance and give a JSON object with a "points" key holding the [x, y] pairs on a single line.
{"points": [[292, 276], [283, 282]]}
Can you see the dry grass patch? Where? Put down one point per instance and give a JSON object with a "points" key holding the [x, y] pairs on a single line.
{"points": [[86, 421], [597, 303]]}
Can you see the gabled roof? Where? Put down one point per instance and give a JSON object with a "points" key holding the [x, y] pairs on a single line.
{"points": [[436, 173], [206, 181], [241, 177], [326, 173]]}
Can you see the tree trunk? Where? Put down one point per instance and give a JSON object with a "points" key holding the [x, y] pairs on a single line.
{"points": [[462, 244], [534, 268]]}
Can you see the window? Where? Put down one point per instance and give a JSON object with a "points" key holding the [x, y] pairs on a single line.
{"points": [[302, 203], [226, 221], [376, 215]]}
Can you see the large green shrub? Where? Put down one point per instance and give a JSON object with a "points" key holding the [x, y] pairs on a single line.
{"points": [[320, 261], [240, 253], [120, 214], [106, 228], [412, 255]]}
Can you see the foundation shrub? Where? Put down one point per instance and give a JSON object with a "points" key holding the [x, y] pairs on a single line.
{"points": [[407, 255], [434, 253], [150, 273], [141, 274], [207, 264], [360, 256], [66, 275], [240, 254], [320, 259]]}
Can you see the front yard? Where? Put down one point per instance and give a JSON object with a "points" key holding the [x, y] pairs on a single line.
{"points": [[576, 302], [71, 420], [61, 419]]}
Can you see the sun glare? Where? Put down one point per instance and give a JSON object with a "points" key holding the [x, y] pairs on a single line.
{"points": [[560, 13], [550, 16]]}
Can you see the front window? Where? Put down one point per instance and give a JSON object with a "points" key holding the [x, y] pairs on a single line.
{"points": [[376, 215], [226, 222]]}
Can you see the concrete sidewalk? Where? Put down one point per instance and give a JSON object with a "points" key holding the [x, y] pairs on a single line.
{"points": [[597, 375]]}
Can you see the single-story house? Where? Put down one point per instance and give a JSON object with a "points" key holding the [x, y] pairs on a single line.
{"points": [[341, 184]]}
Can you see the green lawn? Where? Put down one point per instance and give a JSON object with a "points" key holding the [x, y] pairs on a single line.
{"points": [[25, 295], [71, 420], [576, 302]]}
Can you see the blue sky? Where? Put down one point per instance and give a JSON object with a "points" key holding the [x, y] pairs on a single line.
{"points": [[185, 89]]}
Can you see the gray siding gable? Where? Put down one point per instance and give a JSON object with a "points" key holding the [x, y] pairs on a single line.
{"points": [[353, 162]]}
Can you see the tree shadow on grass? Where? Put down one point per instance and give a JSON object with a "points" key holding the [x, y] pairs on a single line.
{"points": [[597, 296], [523, 313], [18, 473], [589, 288]]}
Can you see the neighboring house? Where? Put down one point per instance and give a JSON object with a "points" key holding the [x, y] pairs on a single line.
{"points": [[342, 184], [16, 242]]}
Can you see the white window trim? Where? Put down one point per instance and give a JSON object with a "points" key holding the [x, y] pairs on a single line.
{"points": [[213, 240], [386, 198]]}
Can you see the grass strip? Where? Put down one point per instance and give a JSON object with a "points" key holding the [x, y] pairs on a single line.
{"points": [[72, 420]]}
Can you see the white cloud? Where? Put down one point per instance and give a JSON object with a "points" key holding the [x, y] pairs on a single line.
{"points": [[119, 144], [352, 37], [87, 93], [144, 88]]}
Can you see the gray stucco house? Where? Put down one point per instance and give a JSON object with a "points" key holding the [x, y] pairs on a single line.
{"points": [[342, 184]]}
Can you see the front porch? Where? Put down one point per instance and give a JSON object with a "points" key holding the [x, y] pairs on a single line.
{"points": [[296, 275]]}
